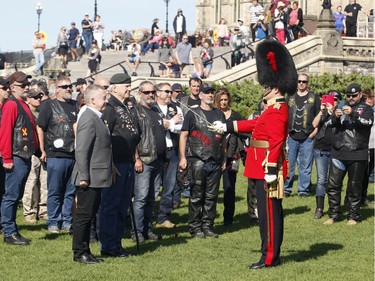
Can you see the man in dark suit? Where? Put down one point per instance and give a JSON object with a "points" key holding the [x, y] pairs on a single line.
{"points": [[92, 170]]}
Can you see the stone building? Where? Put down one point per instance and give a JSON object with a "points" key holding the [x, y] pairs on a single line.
{"points": [[208, 12]]}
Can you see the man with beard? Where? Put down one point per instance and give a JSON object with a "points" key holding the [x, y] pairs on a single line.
{"points": [[18, 143], [152, 153], [206, 158], [351, 132], [56, 128]]}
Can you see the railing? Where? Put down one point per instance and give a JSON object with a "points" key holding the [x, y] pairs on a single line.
{"points": [[152, 68]]}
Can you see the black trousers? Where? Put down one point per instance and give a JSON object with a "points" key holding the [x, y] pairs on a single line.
{"points": [[351, 29], [355, 170], [271, 224], [368, 171], [229, 185], [203, 194], [88, 200]]}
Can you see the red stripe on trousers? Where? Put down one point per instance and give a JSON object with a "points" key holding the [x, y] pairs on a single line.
{"points": [[271, 233]]}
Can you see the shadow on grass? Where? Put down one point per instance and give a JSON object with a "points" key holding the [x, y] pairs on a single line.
{"points": [[32, 227], [296, 210], [315, 251]]}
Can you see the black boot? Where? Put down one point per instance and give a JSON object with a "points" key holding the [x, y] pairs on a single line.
{"points": [[319, 207]]}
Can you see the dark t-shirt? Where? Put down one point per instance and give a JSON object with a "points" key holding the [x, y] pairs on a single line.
{"points": [[353, 9], [73, 33], [44, 118], [192, 102], [86, 22], [158, 130]]}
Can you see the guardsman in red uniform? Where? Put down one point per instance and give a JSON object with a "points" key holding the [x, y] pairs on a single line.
{"points": [[265, 161]]}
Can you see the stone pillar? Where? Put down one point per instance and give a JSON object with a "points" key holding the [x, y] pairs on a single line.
{"points": [[332, 44]]}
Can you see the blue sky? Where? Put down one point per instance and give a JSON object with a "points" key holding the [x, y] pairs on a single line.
{"points": [[19, 19]]}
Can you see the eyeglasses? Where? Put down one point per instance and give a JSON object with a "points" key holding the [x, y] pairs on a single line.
{"points": [[148, 92], [166, 91], [23, 85], [303, 81], [70, 86], [352, 96]]}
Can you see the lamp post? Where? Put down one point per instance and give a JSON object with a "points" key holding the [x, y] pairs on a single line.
{"points": [[95, 9], [39, 9], [166, 23]]}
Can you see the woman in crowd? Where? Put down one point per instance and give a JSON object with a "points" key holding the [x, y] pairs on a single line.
{"points": [[234, 148], [165, 51], [94, 59], [295, 20], [222, 31], [62, 43], [98, 31], [280, 20], [206, 55], [322, 149]]}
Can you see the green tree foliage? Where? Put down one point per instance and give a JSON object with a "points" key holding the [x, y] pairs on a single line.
{"points": [[247, 94]]}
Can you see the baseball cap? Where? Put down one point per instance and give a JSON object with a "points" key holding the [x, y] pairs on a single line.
{"points": [[280, 4], [240, 19], [33, 92], [206, 87], [353, 89], [120, 78], [4, 81], [86, 14], [177, 87], [80, 81], [19, 77]]}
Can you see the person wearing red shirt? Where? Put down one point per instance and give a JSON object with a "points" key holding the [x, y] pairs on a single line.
{"points": [[18, 143]]}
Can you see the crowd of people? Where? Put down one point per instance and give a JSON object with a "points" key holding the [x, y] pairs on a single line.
{"points": [[65, 154], [81, 160]]}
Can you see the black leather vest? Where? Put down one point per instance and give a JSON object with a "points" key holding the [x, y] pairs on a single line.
{"points": [[125, 135], [308, 113], [205, 144], [23, 133], [60, 135]]}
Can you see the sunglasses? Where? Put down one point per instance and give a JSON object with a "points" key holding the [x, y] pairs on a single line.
{"points": [[177, 91], [105, 87], [352, 96], [148, 92], [3, 88], [23, 85], [166, 91], [303, 81], [336, 99], [70, 86], [38, 97]]}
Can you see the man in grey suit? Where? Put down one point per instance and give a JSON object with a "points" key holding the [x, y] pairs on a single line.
{"points": [[92, 170]]}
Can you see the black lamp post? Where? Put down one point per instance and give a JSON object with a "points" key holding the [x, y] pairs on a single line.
{"points": [[39, 9], [166, 23], [95, 9]]}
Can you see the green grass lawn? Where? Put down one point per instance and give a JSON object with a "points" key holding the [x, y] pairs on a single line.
{"points": [[310, 251]]}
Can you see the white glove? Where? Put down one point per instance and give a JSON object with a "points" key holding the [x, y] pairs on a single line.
{"points": [[218, 127], [270, 178]]}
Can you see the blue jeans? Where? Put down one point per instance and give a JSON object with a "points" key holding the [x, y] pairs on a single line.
{"points": [[15, 181], [87, 36], [169, 186], [300, 152], [144, 195], [114, 207], [39, 61], [322, 159], [151, 46], [61, 192]]}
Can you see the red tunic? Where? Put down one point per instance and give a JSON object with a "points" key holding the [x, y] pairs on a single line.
{"points": [[271, 126]]}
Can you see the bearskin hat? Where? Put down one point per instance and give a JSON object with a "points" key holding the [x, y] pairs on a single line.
{"points": [[275, 66]]}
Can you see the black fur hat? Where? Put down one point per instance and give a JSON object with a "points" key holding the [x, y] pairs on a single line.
{"points": [[275, 66]]}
